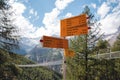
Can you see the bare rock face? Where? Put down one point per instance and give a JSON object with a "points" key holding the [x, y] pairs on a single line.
{"points": [[40, 55]]}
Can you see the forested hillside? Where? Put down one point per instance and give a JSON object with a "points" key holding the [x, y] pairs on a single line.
{"points": [[10, 71]]}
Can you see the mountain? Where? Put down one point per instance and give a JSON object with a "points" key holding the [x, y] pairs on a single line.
{"points": [[111, 38], [10, 71], [26, 44], [40, 55]]}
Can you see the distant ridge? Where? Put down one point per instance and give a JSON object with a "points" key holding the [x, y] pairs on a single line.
{"points": [[111, 38]]}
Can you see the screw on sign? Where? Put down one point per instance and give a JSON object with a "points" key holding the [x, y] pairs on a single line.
{"points": [[41, 40]]}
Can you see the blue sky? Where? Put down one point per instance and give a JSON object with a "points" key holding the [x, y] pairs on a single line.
{"points": [[36, 18], [46, 6]]}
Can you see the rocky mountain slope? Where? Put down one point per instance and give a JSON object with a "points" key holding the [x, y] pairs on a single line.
{"points": [[40, 55]]}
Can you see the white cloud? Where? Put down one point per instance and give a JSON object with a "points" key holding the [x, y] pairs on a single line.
{"points": [[30, 17], [111, 21], [117, 8], [93, 5], [68, 15], [103, 10], [61, 4], [51, 19], [31, 11], [18, 8], [20, 21], [29, 31], [113, 1], [35, 13], [26, 1], [99, 0]]}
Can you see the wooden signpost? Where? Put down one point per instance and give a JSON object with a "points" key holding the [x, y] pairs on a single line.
{"points": [[69, 27]]}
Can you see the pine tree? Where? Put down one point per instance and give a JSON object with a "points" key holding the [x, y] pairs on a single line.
{"points": [[103, 46], [78, 68], [8, 31], [116, 45]]}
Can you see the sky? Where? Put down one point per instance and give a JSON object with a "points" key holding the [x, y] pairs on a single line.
{"points": [[36, 18]]}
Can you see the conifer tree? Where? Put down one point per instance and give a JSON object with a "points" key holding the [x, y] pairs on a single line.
{"points": [[78, 68], [116, 45], [8, 31]]}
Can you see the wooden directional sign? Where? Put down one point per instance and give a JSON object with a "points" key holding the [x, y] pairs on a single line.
{"points": [[53, 42], [74, 26], [69, 53]]}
